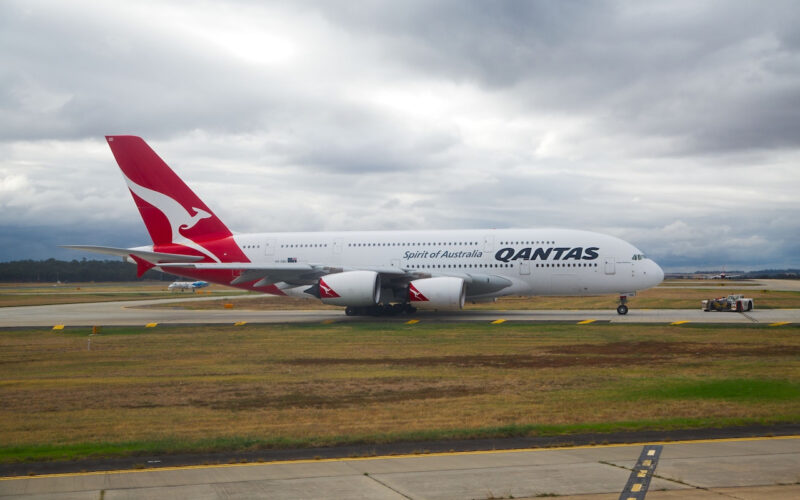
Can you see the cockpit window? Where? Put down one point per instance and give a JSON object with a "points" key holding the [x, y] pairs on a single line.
{"points": [[639, 256]]}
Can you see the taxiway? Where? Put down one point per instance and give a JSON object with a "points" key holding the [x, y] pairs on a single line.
{"points": [[736, 468], [138, 313]]}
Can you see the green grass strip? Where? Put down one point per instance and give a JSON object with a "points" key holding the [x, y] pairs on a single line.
{"points": [[40, 453], [750, 390]]}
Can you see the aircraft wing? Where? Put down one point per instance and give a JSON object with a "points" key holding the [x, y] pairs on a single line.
{"points": [[261, 274], [308, 274], [290, 272]]}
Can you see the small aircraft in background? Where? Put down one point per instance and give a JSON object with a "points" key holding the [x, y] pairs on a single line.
{"points": [[187, 285], [724, 276]]}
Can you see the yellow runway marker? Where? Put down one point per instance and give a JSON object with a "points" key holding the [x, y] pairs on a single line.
{"points": [[58, 327], [240, 323], [675, 323], [412, 322], [498, 321], [586, 321], [780, 323], [150, 325]]}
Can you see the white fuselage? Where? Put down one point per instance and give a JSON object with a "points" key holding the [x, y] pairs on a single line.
{"points": [[536, 261]]}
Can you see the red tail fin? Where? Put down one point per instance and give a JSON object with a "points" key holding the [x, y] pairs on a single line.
{"points": [[173, 214]]}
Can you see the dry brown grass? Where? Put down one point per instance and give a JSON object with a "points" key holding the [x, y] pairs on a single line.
{"points": [[302, 381]]}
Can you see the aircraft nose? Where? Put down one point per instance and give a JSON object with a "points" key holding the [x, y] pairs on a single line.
{"points": [[655, 273]]}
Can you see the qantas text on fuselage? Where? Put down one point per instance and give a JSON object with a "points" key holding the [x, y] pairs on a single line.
{"points": [[367, 271]]}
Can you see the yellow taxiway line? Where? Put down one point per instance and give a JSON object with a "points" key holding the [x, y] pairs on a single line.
{"points": [[391, 457]]}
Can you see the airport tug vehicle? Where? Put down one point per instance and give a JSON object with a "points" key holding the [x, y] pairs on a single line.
{"points": [[736, 303]]}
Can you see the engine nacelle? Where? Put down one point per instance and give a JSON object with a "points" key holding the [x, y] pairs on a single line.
{"points": [[351, 288], [437, 293]]}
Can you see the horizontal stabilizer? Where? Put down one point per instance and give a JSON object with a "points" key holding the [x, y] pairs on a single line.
{"points": [[153, 257], [242, 266]]}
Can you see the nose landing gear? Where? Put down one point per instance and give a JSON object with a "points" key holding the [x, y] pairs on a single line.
{"points": [[622, 308]]}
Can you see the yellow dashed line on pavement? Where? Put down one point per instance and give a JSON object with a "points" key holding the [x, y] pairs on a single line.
{"points": [[679, 322], [58, 327], [498, 321], [586, 321], [780, 323], [240, 323], [150, 325], [412, 322]]}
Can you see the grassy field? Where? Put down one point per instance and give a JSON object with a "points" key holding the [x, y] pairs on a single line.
{"points": [[17, 294], [662, 297], [181, 389]]}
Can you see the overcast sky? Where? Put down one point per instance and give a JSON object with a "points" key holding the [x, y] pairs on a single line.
{"points": [[673, 125]]}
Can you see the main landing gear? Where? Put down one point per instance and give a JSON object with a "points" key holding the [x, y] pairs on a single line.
{"points": [[622, 308], [380, 310]]}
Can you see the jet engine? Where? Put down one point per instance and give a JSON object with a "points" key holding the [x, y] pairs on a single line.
{"points": [[437, 293], [351, 288]]}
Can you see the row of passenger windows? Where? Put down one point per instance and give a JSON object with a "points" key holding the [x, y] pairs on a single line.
{"points": [[452, 243], [417, 244], [527, 242], [579, 264], [413, 244], [457, 266], [461, 266]]}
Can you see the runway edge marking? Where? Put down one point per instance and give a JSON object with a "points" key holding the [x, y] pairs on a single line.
{"points": [[393, 457]]}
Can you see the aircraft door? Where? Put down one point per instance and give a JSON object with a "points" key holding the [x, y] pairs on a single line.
{"points": [[337, 246], [524, 267], [488, 243], [269, 246], [610, 265]]}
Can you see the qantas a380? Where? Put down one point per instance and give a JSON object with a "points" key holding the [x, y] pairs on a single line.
{"points": [[368, 272]]}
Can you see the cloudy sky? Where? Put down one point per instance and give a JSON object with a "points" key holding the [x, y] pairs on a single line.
{"points": [[674, 125]]}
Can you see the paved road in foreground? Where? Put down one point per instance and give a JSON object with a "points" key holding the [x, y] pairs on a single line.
{"points": [[737, 468]]}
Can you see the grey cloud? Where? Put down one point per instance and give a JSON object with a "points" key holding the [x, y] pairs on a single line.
{"points": [[726, 71]]}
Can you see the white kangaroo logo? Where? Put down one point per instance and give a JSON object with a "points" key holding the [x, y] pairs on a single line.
{"points": [[179, 218]]}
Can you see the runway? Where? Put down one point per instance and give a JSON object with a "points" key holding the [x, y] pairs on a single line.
{"points": [[736, 468], [137, 313]]}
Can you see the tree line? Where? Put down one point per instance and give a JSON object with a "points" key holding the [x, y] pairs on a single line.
{"points": [[52, 270]]}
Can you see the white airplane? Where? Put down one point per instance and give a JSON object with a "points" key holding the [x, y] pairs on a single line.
{"points": [[368, 272], [187, 285]]}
